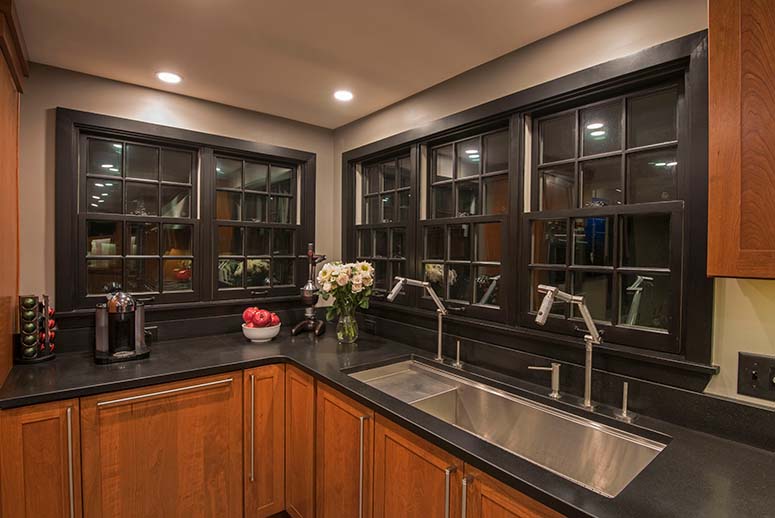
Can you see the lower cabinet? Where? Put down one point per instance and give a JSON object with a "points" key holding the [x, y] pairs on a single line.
{"points": [[299, 443], [485, 497], [172, 450], [40, 461]]}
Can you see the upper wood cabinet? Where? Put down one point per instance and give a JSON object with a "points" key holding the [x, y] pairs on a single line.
{"points": [[485, 497], [741, 205], [264, 441], [40, 461], [299, 443], [172, 450], [343, 456]]}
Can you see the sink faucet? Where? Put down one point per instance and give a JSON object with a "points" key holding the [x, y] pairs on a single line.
{"points": [[591, 339], [441, 311]]}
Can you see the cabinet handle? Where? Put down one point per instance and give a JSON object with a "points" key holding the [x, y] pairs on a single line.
{"points": [[447, 477], [252, 426], [362, 424], [164, 392], [464, 504], [70, 460]]}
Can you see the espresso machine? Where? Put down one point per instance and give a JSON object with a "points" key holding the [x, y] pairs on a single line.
{"points": [[309, 297], [120, 328]]}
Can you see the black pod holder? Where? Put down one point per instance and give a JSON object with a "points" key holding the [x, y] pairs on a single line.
{"points": [[36, 332], [309, 297]]}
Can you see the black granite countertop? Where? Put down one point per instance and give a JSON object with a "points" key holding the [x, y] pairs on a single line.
{"points": [[696, 475]]}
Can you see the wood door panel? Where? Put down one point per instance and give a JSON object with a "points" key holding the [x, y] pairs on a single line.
{"points": [[299, 443], [489, 498]]}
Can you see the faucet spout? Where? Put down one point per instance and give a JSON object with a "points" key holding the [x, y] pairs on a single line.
{"points": [[441, 310]]}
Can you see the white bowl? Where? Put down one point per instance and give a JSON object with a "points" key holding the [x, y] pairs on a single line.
{"points": [[260, 334]]}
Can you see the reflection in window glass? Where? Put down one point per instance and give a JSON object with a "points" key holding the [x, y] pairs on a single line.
{"points": [[228, 173], [142, 275], [496, 146], [467, 198], [257, 241], [230, 273], [593, 241], [404, 171], [652, 118], [282, 209], [229, 240], [281, 179], [556, 186], [646, 240], [282, 242], [372, 178], [601, 128], [460, 242], [434, 243], [442, 163], [256, 176], [459, 282], [388, 204], [105, 157], [364, 243], [142, 199], [549, 278], [103, 238], [176, 239], [103, 196], [176, 201], [469, 156], [597, 291], [403, 206], [228, 205], [143, 238], [282, 272], [255, 207], [550, 241], [601, 182], [645, 301], [443, 201], [142, 162], [176, 166], [488, 239], [652, 176], [178, 274], [557, 136], [257, 275], [380, 243], [389, 176], [434, 274], [380, 275], [397, 243], [101, 273], [487, 285]]}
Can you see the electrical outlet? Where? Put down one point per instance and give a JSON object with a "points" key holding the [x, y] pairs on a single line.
{"points": [[756, 375]]}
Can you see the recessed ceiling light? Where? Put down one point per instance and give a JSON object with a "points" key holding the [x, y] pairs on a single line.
{"points": [[107, 166], [598, 133], [472, 151], [595, 125], [169, 77], [670, 164], [343, 95]]}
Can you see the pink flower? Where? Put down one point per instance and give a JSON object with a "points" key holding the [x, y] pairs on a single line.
{"points": [[342, 279], [357, 288]]}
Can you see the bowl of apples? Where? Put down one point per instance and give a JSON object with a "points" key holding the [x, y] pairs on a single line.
{"points": [[260, 325]]}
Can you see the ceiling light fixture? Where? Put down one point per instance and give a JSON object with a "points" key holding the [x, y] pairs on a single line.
{"points": [[343, 95], [595, 125], [107, 166], [670, 164], [598, 133], [472, 151], [169, 77]]}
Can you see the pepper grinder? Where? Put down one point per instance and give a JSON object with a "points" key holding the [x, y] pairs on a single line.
{"points": [[309, 297]]}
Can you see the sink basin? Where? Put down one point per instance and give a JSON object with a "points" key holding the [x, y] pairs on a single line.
{"points": [[601, 458]]}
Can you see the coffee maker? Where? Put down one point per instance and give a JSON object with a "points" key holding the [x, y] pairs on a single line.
{"points": [[120, 329]]}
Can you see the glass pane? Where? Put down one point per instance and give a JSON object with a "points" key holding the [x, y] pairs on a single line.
{"points": [[142, 162], [228, 205], [281, 179], [255, 207], [548, 278], [652, 118], [443, 202], [178, 274], [256, 241], [380, 275], [601, 128], [434, 274], [645, 301], [256, 176], [229, 240], [596, 289], [469, 156], [397, 243], [593, 241], [282, 209], [460, 243], [101, 273], [142, 199], [364, 243], [104, 238], [403, 206], [176, 166], [142, 275], [372, 209], [381, 243], [372, 174], [646, 240], [282, 242], [467, 198], [258, 273], [442, 163], [175, 201], [228, 173], [230, 273], [496, 152], [557, 185], [389, 176], [488, 241], [652, 176], [397, 268], [459, 280], [434, 243], [282, 272], [105, 157], [602, 182], [557, 136], [550, 241], [388, 204], [176, 240], [487, 285], [143, 239], [496, 194], [103, 196], [404, 172]]}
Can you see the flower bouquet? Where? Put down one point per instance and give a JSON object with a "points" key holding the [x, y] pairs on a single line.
{"points": [[351, 285]]}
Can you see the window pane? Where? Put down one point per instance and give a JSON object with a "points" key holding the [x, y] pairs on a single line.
{"points": [[389, 176], [103, 196], [176, 240], [557, 185], [397, 268], [258, 273], [460, 242], [364, 243], [548, 278], [282, 272], [281, 179], [371, 177], [496, 149], [255, 207], [496, 194], [282, 242], [282, 209], [101, 273], [176, 166], [256, 241], [403, 206], [652, 118], [601, 128], [175, 201], [228, 173], [105, 157], [142, 199], [596, 289], [178, 274], [143, 238], [550, 241], [434, 274], [443, 202], [381, 243], [142, 275], [388, 204], [602, 182], [487, 285], [645, 301], [256, 176], [459, 280], [467, 198], [442, 163], [397, 243], [229, 240], [142, 162], [488, 241], [372, 209], [104, 238], [557, 136], [652, 176], [434, 243], [646, 240], [404, 172], [380, 275], [469, 156], [593, 241], [228, 205], [230, 273]]}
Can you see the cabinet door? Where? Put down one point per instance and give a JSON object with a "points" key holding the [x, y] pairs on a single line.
{"points": [[172, 450], [299, 443], [264, 440], [485, 497], [343, 456], [40, 461], [413, 478]]}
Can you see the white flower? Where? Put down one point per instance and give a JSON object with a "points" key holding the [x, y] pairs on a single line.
{"points": [[357, 288], [342, 279], [357, 278], [364, 267], [327, 287]]}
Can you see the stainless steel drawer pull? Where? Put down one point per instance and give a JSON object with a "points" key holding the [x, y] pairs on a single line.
{"points": [[447, 477], [362, 423], [70, 488], [165, 392], [464, 504], [252, 427]]}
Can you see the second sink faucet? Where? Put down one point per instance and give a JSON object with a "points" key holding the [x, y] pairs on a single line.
{"points": [[591, 339], [441, 311]]}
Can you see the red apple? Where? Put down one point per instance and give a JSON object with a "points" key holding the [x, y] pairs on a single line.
{"points": [[247, 315], [275, 320], [261, 318], [249, 324]]}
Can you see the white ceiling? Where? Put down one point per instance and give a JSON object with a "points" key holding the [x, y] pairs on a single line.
{"points": [[286, 57]]}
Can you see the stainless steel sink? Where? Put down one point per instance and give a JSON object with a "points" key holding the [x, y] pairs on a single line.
{"points": [[599, 457]]}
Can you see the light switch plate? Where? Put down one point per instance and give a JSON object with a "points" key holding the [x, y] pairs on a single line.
{"points": [[756, 375]]}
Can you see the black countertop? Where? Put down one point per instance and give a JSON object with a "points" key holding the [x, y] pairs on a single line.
{"points": [[696, 475]]}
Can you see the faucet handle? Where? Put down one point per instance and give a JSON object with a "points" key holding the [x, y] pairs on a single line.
{"points": [[555, 368]]}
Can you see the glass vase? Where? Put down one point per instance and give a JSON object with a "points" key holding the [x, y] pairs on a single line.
{"points": [[347, 327]]}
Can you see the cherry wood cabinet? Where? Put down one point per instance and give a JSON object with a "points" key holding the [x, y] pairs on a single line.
{"points": [[264, 440], [485, 497], [299, 443], [344, 456], [172, 450], [40, 461]]}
